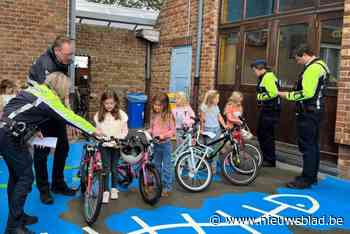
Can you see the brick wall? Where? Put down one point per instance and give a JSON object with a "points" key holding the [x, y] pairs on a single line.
{"points": [[117, 60], [342, 129], [27, 27], [173, 25]]}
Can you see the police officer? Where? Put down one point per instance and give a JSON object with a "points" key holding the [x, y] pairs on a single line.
{"points": [[309, 98], [270, 107], [21, 120], [56, 59]]}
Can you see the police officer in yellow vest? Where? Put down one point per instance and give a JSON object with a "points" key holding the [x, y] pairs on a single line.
{"points": [[309, 98], [270, 106], [23, 116]]}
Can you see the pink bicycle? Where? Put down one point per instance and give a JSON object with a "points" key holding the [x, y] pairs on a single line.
{"points": [[136, 162]]}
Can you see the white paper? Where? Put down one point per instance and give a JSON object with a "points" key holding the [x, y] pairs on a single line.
{"points": [[211, 135], [50, 142]]}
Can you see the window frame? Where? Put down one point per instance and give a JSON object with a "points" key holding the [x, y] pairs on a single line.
{"points": [[238, 62], [332, 86], [252, 28], [315, 5], [309, 19]]}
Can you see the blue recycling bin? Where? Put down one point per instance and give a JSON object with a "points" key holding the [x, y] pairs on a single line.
{"points": [[136, 109]]}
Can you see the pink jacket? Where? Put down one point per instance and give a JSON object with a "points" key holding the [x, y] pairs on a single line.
{"points": [[183, 116], [158, 127]]}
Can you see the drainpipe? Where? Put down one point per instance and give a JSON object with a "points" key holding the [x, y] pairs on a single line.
{"points": [[198, 54], [148, 78], [72, 35]]}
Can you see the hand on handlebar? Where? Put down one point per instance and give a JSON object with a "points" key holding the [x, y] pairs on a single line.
{"points": [[98, 133]]}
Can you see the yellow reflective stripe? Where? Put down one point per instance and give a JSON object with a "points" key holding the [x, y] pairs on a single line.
{"points": [[53, 101]]}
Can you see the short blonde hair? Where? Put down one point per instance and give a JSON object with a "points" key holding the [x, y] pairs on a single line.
{"points": [[60, 83], [210, 96], [181, 99]]}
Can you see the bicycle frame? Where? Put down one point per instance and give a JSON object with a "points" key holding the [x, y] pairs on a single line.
{"points": [[93, 161], [141, 165]]}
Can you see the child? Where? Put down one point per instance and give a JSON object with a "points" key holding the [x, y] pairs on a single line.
{"points": [[182, 113], [163, 127], [7, 92], [234, 109], [211, 117], [112, 121]]}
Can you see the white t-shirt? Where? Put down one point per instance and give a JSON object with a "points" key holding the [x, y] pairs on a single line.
{"points": [[211, 116], [112, 127]]}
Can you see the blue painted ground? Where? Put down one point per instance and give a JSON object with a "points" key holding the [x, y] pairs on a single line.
{"points": [[330, 194], [49, 216]]}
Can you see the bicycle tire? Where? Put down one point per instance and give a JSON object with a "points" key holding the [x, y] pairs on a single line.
{"points": [[151, 174], [83, 173], [255, 152], [91, 217], [233, 164], [204, 165]]}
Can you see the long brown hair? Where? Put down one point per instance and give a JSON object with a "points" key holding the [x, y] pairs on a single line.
{"points": [[163, 99], [115, 112]]}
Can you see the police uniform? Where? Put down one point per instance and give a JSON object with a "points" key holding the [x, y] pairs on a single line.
{"points": [[270, 106], [22, 116], [309, 98]]}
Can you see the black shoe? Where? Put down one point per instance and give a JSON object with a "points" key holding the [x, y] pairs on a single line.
{"points": [[268, 164], [299, 184], [29, 220], [46, 197], [301, 178], [64, 190], [20, 230]]}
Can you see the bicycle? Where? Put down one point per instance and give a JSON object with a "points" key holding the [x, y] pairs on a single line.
{"points": [[189, 138], [247, 147], [92, 179], [193, 171], [141, 167]]}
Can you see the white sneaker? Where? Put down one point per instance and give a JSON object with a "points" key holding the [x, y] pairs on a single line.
{"points": [[114, 193], [105, 198]]}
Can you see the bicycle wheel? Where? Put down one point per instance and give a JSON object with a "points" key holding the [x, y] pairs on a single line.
{"points": [[83, 173], [150, 184], [253, 151], [193, 173], [93, 197], [239, 169]]}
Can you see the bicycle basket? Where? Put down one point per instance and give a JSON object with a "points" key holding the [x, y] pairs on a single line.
{"points": [[246, 134], [131, 153]]}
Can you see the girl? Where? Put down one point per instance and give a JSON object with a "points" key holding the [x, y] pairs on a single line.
{"points": [[234, 109], [112, 121], [182, 113], [211, 117], [163, 127], [7, 92]]}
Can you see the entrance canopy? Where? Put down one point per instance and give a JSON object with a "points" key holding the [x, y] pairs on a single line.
{"points": [[114, 16]]}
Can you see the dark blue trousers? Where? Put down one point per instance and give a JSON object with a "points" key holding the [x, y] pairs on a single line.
{"points": [[19, 162], [308, 129]]}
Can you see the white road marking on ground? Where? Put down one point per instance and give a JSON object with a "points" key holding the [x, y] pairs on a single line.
{"points": [[89, 230]]}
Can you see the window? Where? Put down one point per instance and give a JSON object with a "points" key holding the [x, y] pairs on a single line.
{"points": [[227, 59], [331, 35], [290, 37], [286, 5], [259, 8], [232, 10], [255, 47], [322, 2]]}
